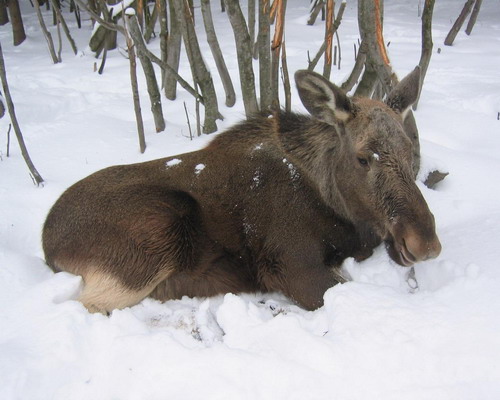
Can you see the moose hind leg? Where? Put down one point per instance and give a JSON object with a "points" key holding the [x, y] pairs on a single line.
{"points": [[156, 242]]}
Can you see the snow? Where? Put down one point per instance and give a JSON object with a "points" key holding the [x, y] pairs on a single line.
{"points": [[199, 168], [377, 337], [173, 162]]}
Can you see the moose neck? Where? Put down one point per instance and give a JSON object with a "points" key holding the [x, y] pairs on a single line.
{"points": [[312, 145]]}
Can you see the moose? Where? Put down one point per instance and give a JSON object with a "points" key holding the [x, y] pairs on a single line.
{"points": [[275, 203]]}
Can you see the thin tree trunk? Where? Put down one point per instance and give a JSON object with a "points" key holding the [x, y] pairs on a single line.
{"points": [[17, 22], [135, 92], [199, 69], [264, 47], [4, 15], [473, 17], [427, 44], [251, 21], [162, 5], [327, 67], [61, 19], [275, 52], [459, 22], [244, 54], [174, 52], [10, 106], [46, 33], [217, 53], [149, 73]]}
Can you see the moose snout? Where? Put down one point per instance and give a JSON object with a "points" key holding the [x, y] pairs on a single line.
{"points": [[412, 244], [417, 248]]}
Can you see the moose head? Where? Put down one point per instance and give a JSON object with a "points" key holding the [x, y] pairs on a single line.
{"points": [[361, 159]]}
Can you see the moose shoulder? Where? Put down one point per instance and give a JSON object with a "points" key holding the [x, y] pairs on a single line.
{"points": [[273, 204]]}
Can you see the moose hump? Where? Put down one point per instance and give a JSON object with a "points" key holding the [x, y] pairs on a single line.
{"points": [[272, 204]]}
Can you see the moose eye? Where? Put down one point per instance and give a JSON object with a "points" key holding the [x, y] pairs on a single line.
{"points": [[363, 161]]}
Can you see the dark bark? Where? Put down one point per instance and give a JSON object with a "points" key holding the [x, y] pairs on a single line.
{"points": [[473, 17], [149, 73], [217, 53], [10, 106], [78, 17], [4, 15], [200, 72], [458, 23], [264, 49], [427, 44], [18, 33], [434, 178], [173, 55], [244, 54]]}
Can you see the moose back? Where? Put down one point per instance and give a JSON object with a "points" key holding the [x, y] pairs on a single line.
{"points": [[273, 204]]}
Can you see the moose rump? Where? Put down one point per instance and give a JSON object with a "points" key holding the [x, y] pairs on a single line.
{"points": [[272, 204]]}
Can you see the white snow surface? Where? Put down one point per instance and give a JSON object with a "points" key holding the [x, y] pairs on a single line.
{"points": [[375, 338]]}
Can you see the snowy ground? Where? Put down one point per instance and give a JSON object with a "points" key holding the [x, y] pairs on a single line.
{"points": [[373, 339]]}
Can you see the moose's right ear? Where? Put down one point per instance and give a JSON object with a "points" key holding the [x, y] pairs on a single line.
{"points": [[323, 99]]}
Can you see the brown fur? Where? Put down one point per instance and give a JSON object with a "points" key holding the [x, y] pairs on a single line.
{"points": [[273, 204]]}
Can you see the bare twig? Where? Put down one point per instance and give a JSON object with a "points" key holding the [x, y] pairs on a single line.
{"points": [[189, 123], [10, 106], [8, 140], [312, 64]]}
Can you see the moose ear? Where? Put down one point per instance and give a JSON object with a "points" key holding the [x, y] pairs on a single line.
{"points": [[405, 93], [322, 99]]}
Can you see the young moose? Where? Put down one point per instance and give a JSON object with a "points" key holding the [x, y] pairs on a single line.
{"points": [[273, 204]]}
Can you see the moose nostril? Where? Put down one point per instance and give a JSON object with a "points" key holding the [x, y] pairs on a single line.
{"points": [[416, 249]]}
